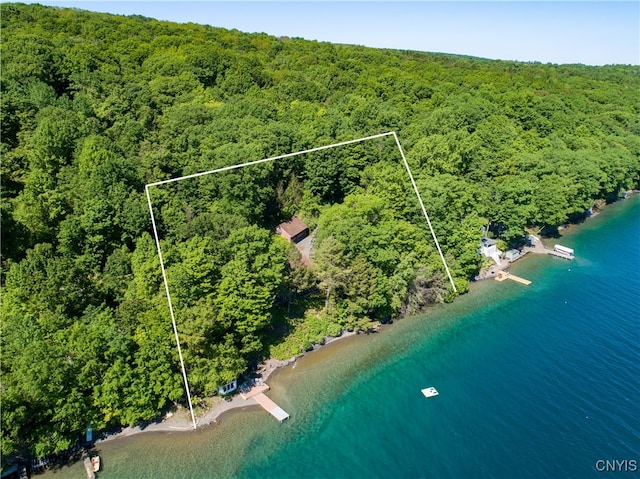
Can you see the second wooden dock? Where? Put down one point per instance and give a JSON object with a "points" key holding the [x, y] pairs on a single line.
{"points": [[502, 275]]}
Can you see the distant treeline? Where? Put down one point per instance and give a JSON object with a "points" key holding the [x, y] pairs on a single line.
{"points": [[95, 106]]}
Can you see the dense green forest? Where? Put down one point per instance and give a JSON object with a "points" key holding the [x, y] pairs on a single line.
{"points": [[96, 106]]}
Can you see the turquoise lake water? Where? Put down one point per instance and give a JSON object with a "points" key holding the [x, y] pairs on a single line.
{"points": [[534, 381]]}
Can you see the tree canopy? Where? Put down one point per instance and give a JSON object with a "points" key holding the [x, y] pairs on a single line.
{"points": [[95, 106]]}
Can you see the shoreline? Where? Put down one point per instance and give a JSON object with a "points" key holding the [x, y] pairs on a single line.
{"points": [[180, 421], [325, 391], [540, 246]]}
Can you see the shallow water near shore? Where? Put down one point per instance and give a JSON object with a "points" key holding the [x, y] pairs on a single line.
{"points": [[534, 381]]}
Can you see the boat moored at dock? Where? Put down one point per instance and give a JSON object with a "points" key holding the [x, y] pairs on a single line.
{"points": [[563, 252], [95, 463]]}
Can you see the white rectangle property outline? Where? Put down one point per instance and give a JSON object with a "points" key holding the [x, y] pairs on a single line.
{"points": [[265, 160]]}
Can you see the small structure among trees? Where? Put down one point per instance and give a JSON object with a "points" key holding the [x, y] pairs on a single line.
{"points": [[294, 230], [229, 387], [512, 255], [490, 249]]}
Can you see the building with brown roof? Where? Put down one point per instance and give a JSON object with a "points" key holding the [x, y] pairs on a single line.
{"points": [[294, 230]]}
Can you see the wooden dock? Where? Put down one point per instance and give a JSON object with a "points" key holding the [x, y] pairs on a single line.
{"points": [[254, 391], [257, 393], [271, 407], [540, 249], [88, 468], [502, 275]]}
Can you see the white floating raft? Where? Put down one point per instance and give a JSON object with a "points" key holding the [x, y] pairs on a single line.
{"points": [[430, 392]]}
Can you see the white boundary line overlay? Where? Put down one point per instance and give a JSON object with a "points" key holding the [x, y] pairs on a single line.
{"points": [[265, 160]]}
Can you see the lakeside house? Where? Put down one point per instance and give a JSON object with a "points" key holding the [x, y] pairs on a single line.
{"points": [[490, 249], [294, 230], [228, 388]]}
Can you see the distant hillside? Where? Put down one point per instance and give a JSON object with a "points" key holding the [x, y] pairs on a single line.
{"points": [[95, 106]]}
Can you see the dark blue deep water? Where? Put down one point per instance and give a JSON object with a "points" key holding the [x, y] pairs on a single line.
{"points": [[535, 381]]}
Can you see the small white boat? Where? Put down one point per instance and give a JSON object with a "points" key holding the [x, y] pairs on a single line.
{"points": [[430, 392], [95, 462]]}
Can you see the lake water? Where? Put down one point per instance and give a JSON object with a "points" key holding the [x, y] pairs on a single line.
{"points": [[534, 381]]}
